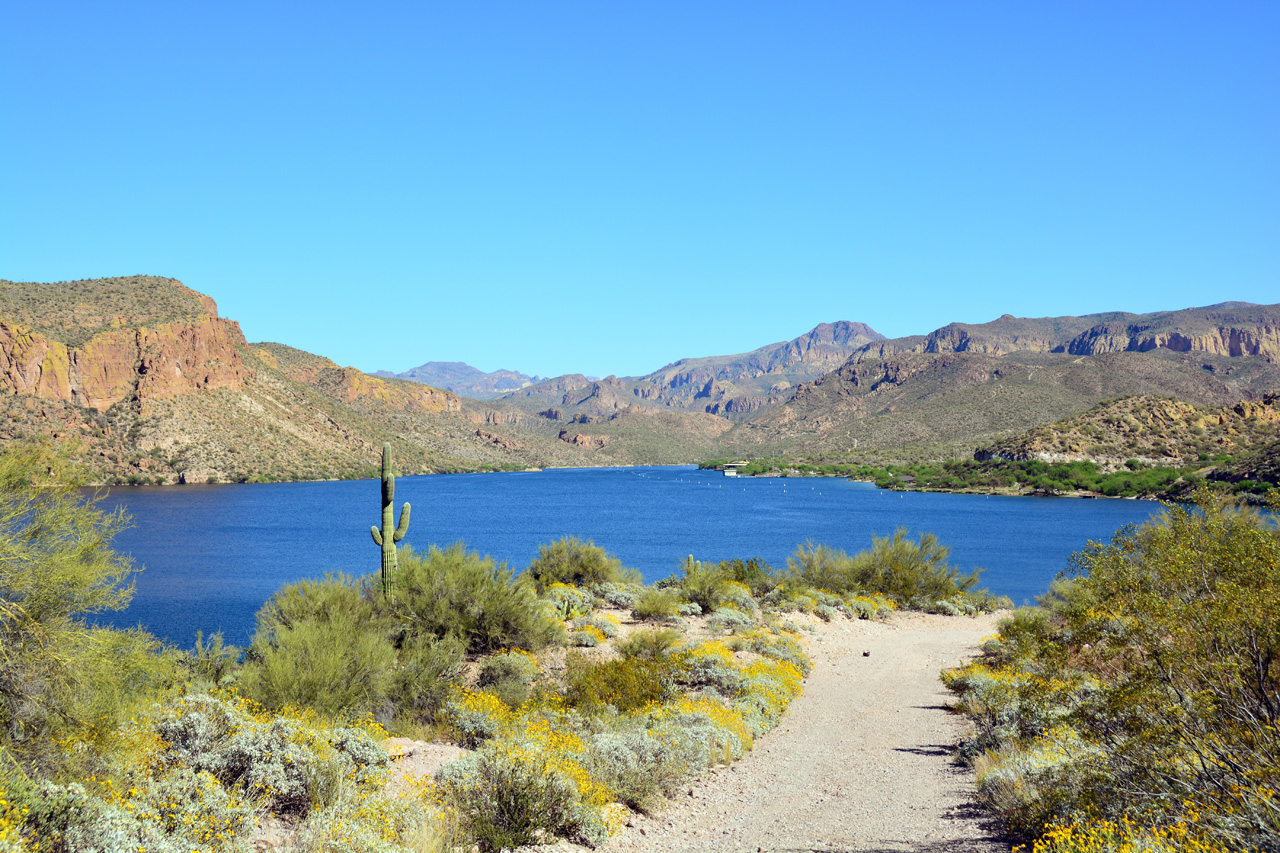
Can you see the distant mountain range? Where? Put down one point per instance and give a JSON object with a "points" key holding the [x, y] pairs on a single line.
{"points": [[463, 379], [144, 376]]}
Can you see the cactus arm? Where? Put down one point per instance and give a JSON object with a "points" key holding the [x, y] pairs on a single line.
{"points": [[377, 536], [403, 527]]}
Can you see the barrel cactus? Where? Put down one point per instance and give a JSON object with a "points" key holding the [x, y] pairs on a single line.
{"points": [[387, 537]]}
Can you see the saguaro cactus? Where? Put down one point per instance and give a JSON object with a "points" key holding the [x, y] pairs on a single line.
{"points": [[387, 537]]}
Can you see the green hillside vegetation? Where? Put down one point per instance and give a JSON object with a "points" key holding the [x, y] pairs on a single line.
{"points": [[1137, 707], [74, 311], [1134, 479]]}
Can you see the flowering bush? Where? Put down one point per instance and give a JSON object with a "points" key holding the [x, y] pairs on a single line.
{"points": [[526, 783], [569, 602]]}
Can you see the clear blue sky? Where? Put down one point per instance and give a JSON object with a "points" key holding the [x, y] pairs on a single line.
{"points": [[607, 186]]}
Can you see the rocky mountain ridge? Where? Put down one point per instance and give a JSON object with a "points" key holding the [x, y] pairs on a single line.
{"points": [[463, 379], [1231, 329], [729, 385]]}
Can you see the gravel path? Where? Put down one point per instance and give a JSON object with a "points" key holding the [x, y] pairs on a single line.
{"points": [[861, 761]]}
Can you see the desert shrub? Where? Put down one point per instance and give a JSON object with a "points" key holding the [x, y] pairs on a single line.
{"points": [[913, 574], [181, 812], [825, 612], [729, 619], [738, 595], [649, 643], [477, 717], [779, 645], [336, 662], [656, 605], [527, 783], [637, 767], [568, 602], [508, 675], [618, 595], [588, 636], [196, 775], [261, 758], [575, 563], [703, 731], [820, 567], [710, 664], [427, 672], [767, 688], [335, 598], [703, 584], [607, 624], [211, 663], [454, 592], [867, 606], [755, 574], [1037, 783], [622, 684], [374, 822], [1162, 656]]}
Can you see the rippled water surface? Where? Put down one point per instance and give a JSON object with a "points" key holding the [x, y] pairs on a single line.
{"points": [[214, 554]]}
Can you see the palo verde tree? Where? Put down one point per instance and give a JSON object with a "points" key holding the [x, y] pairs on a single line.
{"points": [[56, 568]]}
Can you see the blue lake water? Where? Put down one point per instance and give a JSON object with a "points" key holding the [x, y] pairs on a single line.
{"points": [[214, 554]]}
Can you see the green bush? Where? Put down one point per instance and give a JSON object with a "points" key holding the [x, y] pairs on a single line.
{"points": [[757, 575], [211, 663], [704, 585], [511, 795], [622, 684], [429, 669], [656, 605], [338, 661], [508, 676], [576, 563], [456, 592], [650, 643], [913, 574]]}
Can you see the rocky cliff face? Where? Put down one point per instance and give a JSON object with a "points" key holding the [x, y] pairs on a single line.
{"points": [[1232, 329], [1232, 341], [149, 363]]}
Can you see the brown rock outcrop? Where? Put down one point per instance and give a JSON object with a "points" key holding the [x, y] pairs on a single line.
{"points": [[577, 439], [349, 385], [498, 440], [151, 363]]}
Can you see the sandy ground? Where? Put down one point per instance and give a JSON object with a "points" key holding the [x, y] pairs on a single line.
{"points": [[861, 762]]}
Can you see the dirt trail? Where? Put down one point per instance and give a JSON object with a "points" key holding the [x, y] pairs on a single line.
{"points": [[861, 761]]}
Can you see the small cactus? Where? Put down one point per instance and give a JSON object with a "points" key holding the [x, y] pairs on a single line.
{"points": [[387, 537]]}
